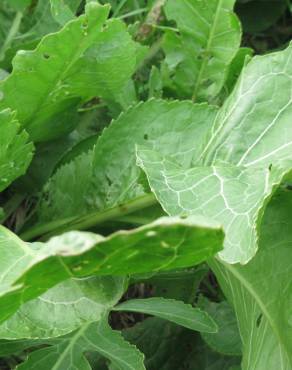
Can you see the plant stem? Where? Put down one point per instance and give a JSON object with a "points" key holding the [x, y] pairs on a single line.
{"points": [[50, 229], [134, 12], [11, 34], [11, 205], [154, 49], [119, 8]]}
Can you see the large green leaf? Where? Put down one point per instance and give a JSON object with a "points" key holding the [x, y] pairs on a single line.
{"points": [[261, 291], [15, 149], [110, 175], [172, 310], [237, 158], [64, 308], [253, 127], [235, 196], [166, 244], [209, 36], [69, 353]]}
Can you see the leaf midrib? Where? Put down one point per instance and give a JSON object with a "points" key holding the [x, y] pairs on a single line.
{"points": [[70, 345], [207, 50], [258, 300]]}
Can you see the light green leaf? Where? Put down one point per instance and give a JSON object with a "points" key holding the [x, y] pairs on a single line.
{"points": [[261, 291], [44, 74], [106, 68], [235, 138], [237, 156], [64, 308], [16, 150], [235, 196], [114, 177], [227, 340], [69, 354], [166, 244], [208, 40], [64, 12], [170, 309]]}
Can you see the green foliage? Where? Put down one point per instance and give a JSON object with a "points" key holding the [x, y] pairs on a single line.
{"points": [[209, 36], [69, 352], [174, 311], [16, 150], [145, 170]]}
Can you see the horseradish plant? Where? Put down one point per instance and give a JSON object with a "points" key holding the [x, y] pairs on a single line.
{"points": [[142, 153]]}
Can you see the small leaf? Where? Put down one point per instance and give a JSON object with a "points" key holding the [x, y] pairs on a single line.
{"points": [[64, 12], [170, 309], [16, 150], [227, 340]]}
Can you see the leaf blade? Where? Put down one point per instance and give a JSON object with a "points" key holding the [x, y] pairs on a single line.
{"points": [[167, 243], [172, 310]]}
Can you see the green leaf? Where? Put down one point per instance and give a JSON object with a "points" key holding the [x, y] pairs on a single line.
{"points": [[12, 347], [64, 308], [16, 150], [166, 244], [215, 192], [241, 58], [106, 69], [172, 310], [93, 337], [177, 284], [227, 340], [170, 347], [64, 12], [114, 178], [261, 291], [270, 139], [19, 5], [237, 158], [208, 41], [23, 31], [48, 100]]}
